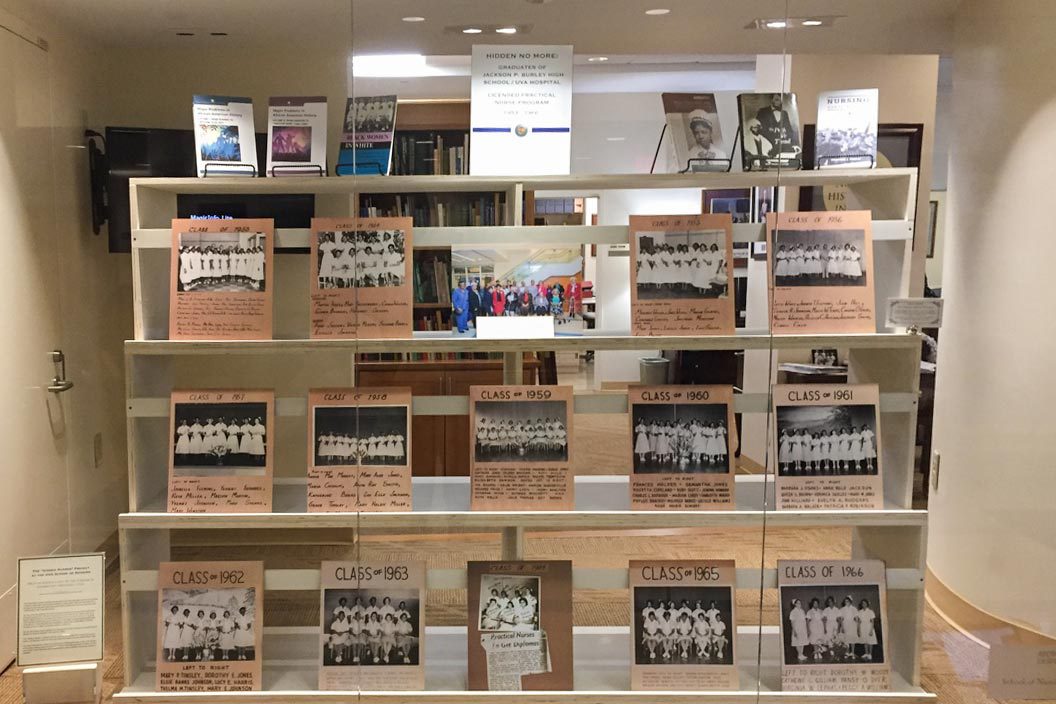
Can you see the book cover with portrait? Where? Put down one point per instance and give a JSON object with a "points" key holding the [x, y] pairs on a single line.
{"points": [[220, 285], [769, 131], [834, 626], [210, 626], [372, 617], [693, 123], [296, 136], [683, 625], [520, 625], [827, 438], [820, 268], [683, 441], [361, 284], [359, 449], [221, 451], [521, 448], [682, 274], [225, 142]]}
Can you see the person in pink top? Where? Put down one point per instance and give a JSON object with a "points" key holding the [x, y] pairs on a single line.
{"points": [[575, 297]]}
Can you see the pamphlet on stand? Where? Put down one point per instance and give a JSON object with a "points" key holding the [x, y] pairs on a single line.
{"points": [[769, 131], [296, 136], [224, 141], [693, 124]]}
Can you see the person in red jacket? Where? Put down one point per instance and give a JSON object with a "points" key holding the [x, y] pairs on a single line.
{"points": [[575, 297], [498, 300]]}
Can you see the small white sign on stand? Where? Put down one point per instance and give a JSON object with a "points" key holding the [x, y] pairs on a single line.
{"points": [[529, 327], [914, 312], [60, 627]]}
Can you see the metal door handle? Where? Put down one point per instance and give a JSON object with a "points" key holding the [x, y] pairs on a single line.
{"points": [[59, 383]]}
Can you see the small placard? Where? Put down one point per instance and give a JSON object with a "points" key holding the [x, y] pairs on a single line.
{"points": [[1022, 672], [914, 312], [60, 609], [530, 327]]}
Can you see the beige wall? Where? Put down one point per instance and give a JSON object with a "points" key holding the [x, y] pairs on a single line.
{"points": [[908, 85], [992, 538]]}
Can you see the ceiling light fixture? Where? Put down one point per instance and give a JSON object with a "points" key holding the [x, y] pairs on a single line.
{"points": [[414, 19], [597, 59], [812, 23], [656, 11], [218, 34], [506, 30], [615, 139], [776, 24], [472, 30], [392, 66], [184, 34]]}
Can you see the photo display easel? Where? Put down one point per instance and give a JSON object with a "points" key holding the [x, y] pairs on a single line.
{"points": [[894, 534]]}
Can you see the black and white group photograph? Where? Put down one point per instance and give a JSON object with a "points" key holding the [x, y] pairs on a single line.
{"points": [[521, 431], [832, 624], [827, 357], [364, 627], [681, 265], [221, 262], [201, 625], [217, 439], [509, 603], [360, 435], [819, 258], [683, 625], [838, 146], [362, 259], [838, 440], [680, 438], [769, 130], [371, 114]]}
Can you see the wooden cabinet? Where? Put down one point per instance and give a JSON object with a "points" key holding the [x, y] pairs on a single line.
{"points": [[439, 444]]}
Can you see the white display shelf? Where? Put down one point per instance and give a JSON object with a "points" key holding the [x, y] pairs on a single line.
{"points": [[472, 184], [538, 235], [452, 342], [601, 675], [442, 504]]}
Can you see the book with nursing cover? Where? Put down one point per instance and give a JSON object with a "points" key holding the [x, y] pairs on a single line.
{"points": [[372, 626], [221, 451], [366, 137], [210, 626], [683, 440], [360, 278], [827, 440], [224, 141], [682, 274], [520, 454], [520, 625], [220, 283], [820, 267], [683, 625], [359, 449], [834, 626], [693, 121], [847, 129]]}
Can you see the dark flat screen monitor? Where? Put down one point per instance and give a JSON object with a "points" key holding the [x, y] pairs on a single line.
{"points": [[137, 152]]}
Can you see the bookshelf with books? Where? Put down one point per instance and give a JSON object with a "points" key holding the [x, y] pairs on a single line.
{"points": [[438, 209]]}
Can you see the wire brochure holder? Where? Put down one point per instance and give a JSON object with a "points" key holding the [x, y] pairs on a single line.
{"points": [[297, 170], [228, 168], [836, 159]]}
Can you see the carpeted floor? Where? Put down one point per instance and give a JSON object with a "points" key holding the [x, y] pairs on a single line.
{"points": [[953, 666]]}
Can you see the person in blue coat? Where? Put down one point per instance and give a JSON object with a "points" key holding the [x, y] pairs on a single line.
{"points": [[460, 305]]}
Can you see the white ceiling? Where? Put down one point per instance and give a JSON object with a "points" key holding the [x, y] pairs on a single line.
{"points": [[593, 26]]}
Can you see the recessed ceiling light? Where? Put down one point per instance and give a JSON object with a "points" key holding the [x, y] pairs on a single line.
{"points": [[414, 19], [776, 24], [218, 34], [812, 23], [596, 59], [657, 11], [615, 139], [506, 30], [472, 30], [184, 34]]}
